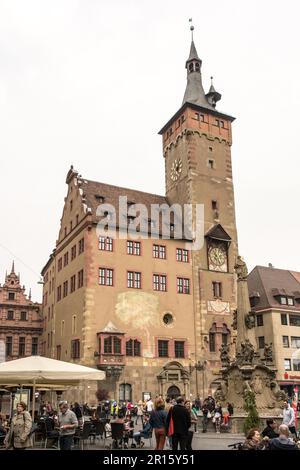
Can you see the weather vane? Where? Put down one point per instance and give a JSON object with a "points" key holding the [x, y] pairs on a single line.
{"points": [[192, 28]]}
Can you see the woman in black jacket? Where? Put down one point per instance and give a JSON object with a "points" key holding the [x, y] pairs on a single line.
{"points": [[181, 422]]}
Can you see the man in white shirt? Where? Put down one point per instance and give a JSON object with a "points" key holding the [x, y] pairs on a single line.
{"points": [[289, 417], [149, 405]]}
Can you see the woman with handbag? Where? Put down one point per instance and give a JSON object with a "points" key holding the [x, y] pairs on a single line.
{"points": [[158, 420], [19, 434]]}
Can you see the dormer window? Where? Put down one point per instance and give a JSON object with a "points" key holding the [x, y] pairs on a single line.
{"points": [[290, 301], [283, 300]]}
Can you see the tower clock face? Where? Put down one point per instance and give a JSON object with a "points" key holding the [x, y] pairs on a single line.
{"points": [[217, 258], [176, 169]]}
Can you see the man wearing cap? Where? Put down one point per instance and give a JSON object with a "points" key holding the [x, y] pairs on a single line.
{"points": [[67, 423]]}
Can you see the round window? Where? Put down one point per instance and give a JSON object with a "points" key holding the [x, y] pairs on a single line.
{"points": [[168, 319]]}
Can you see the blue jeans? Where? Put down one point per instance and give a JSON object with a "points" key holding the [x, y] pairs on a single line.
{"points": [[65, 442]]}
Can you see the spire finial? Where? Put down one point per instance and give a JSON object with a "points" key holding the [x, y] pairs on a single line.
{"points": [[192, 28], [13, 267], [211, 80]]}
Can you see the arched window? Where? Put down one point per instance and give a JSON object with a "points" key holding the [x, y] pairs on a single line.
{"points": [[225, 334], [191, 67], [197, 67], [212, 338]]}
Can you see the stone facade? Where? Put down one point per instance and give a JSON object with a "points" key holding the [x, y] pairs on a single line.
{"points": [[161, 334], [21, 320]]}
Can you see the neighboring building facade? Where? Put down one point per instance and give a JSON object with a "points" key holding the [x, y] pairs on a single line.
{"points": [[20, 319], [275, 298], [152, 313]]}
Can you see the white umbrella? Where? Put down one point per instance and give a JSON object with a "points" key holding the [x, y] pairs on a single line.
{"points": [[43, 370]]}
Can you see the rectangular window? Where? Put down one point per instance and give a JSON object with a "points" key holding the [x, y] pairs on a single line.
{"points": [[183, 285], [66, 258], [11, 296], [108, 345], [21, 346], [163, 348], [58, 293], [81, 246], [23, 316], [290, 301], [106, 243], [159, 251], [74, 324], [105, 277], [214, 205], [58, 352], [65, 289], [182, 255], [59, 264], [75, 349], [259, 320], [73, 283], [212, 342], [34, 346], [285, 342], [217, 289], [80, 279], [294, 320], [283, 300], [73, 252], [134, 280], [295, 342], [133, 248], [296, 364], [261, 342], [10, 315], [159, 282], [284, 319], [8, 346], [179, 349]]}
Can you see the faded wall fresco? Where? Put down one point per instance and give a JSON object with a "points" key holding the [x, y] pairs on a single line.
{"points": [[139, 310]]}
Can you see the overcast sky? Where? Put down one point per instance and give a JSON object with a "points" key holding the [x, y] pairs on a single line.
{"points": [[91, 82]]}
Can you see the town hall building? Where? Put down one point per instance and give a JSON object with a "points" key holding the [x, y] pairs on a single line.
{"points": [[152, 312]]}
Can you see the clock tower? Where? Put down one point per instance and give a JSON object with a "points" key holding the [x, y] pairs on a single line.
{"points": [[197, 151]]}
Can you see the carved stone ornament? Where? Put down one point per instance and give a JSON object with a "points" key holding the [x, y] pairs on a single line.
{"points": [[225, 359], [241, 268], [250, 320], [234, 322], [268, 352]]}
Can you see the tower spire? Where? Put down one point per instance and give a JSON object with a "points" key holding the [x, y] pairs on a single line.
{"points": [[194, 92], [213, 96]]}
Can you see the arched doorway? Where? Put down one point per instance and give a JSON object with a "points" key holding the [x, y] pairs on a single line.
{"points": [[173, 392]]}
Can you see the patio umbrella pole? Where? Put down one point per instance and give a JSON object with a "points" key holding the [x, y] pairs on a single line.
{"points": [[33, 400], [21, 390]]}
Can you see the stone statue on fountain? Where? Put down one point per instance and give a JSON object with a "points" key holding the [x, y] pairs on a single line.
{"points": [[248, 371]]}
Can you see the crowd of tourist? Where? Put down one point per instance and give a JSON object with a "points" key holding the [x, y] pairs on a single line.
{"points": [[173, 422]]}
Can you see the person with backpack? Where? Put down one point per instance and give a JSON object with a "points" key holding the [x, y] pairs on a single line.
{"points": [[19, 434]]}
